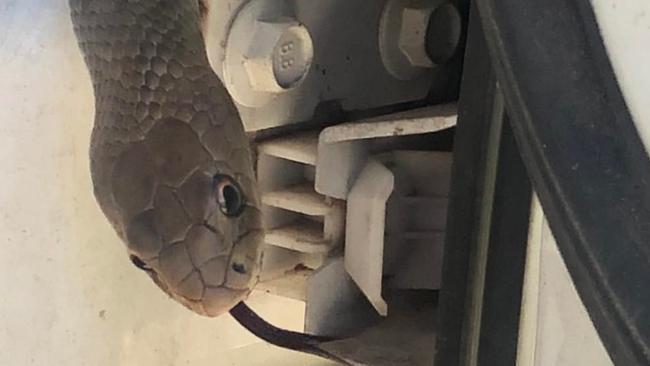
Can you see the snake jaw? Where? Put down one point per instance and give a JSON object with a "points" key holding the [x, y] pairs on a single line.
{"points": [[204, 278], [214, 301], [217, 301], [240, 279]]}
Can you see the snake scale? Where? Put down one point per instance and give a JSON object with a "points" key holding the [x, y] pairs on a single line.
{"points": [[171, 165]]}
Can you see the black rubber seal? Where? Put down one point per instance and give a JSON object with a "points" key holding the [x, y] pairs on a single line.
{"points": [[506, 256], [476, 108], [584, 156]]}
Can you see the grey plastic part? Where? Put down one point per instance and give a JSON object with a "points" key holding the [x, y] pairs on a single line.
{"points": [[342, 149], [364, 235]]}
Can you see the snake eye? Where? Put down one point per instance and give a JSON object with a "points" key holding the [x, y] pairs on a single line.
{"points": [[228, 194], [139, 263], [239, 268]]}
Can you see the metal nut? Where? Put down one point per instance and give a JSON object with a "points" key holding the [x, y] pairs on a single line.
{"points": [[278, 56]]}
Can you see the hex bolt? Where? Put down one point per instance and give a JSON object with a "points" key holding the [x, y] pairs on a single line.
{"points": [[413, 34], [279, 55]]}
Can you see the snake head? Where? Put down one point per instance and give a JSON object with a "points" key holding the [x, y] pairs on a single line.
{"points": [[189, 215], [171, 164]]}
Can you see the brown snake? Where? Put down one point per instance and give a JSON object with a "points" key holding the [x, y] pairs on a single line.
{"points": [[171, 164]]}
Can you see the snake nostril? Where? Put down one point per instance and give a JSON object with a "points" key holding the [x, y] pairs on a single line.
{"points": [[139, 263]]}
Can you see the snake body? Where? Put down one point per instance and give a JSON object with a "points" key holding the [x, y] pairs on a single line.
{"points": [[171, 164]]}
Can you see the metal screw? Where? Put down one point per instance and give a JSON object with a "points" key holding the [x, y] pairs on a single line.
{"points": [[416, 35], [412, 36], [279, 55]]}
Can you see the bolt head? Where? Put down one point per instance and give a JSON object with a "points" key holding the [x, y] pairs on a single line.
{"points": [[413, 35], [279, 55]]}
